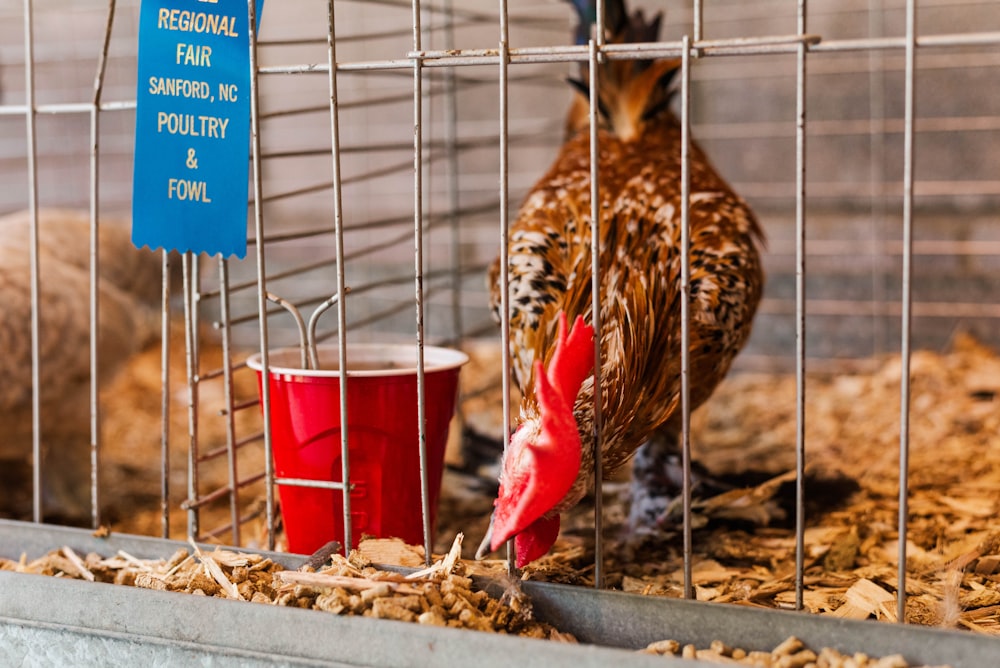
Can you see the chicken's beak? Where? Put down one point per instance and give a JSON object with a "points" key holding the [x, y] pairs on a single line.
{"points": [[484, 547]]}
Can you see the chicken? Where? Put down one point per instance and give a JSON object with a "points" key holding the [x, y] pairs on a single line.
{"points": [[548, 465], [129, 291]]}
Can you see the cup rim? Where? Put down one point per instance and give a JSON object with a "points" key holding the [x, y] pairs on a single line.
{"points": [[436, 358]]}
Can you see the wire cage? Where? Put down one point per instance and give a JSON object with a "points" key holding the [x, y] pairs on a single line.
{"points": [[392, 144]]}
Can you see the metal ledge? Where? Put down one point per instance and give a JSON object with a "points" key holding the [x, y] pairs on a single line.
{"points": [[54, 620]]}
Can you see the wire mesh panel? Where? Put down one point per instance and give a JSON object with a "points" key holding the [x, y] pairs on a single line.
{"points": [[393, 144]]}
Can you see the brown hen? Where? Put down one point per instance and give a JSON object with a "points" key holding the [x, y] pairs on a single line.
{"points": [[129, 289], [549, 263]]}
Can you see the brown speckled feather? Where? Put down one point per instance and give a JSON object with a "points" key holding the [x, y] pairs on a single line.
{"points": [[550, 268]]}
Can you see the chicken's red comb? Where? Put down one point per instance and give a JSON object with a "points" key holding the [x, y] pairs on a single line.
{"points": [[573, 359], [540, 472]]}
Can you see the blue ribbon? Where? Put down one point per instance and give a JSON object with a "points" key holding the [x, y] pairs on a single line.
{"points": [[192, 128]]}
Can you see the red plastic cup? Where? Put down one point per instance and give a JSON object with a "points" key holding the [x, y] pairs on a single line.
{"points": [[383, 439]]}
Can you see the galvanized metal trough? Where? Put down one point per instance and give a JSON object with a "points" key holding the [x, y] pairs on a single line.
{"points": [[54, 621]]}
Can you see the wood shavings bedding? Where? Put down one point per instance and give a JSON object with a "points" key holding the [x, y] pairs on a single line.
{"points": [[851, 541]]}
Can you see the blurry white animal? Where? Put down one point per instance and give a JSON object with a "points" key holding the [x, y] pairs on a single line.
{"points": [[129, 290]]}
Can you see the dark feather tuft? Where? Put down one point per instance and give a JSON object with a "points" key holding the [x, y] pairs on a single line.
{"points": [[616, 18]]}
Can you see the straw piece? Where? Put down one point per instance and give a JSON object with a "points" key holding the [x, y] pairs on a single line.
{"points": [[213, 568], [75, 559], [179, 565], [351, 583], [215, 571], [445, 566], [133, 561]]}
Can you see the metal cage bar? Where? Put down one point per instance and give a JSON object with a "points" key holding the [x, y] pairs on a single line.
{"points": [[165, 269], [505, 363], [232, 461], [189, 267], [418, 276], [32, 138], [95, 404], [685, 291], [595, 289], [258, 214], [338, 218], [907, 300], [451, 148], [800, 307]]}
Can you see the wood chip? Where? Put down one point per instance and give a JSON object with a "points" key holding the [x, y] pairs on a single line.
{"points": [[323, 580], [78, 563], [391, 551], [215, 571], [447, 565], [864, 599]]}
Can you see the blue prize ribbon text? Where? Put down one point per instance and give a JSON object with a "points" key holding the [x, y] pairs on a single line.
{"points": [[192, 130]]}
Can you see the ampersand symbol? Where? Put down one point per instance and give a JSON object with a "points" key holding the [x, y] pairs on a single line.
{"points": [[192, 162]]}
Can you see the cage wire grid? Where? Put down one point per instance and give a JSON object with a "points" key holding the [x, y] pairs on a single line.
{"points": [[237, 300]]}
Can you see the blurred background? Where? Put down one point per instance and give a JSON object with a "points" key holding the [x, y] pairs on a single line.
{"points": [[743, 109]]}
